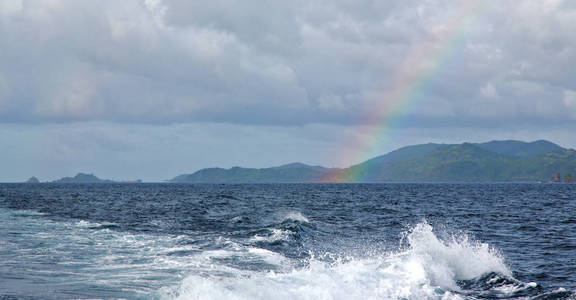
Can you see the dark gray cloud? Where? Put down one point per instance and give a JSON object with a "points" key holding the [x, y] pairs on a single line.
{"points": [[283, 62]]}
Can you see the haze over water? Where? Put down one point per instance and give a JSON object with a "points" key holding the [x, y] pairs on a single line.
{"points": [[290, 241]]}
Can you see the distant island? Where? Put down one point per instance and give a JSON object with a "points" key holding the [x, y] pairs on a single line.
{"points": [[495, 161], [290, 173], [33, 180], [83, 178]]}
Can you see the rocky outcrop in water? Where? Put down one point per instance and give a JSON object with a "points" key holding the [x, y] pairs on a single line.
{"points": [[33, 180]]}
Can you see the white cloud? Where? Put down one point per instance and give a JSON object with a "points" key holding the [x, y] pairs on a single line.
{"points": [[8, 7], [570, 98], [489, 91], [570, 102], [281, 62]]}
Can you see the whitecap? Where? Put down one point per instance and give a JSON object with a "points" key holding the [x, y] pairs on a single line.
{"points": [[428, 269], [457, 259], [294, 216], [275, 235]]}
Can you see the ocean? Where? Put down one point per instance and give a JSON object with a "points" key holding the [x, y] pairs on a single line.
{"points": [[288, 241]]}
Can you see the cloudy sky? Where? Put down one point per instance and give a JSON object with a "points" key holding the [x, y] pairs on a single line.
{"points": [[155, 88]]}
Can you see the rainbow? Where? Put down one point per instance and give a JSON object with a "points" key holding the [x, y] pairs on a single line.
{"points": [[413, 77]]}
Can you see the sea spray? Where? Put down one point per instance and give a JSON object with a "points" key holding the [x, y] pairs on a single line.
{"points": [[429, 268], [445, 262]]}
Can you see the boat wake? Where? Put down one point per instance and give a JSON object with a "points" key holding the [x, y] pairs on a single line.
{"points": [[426, 268], [271, 260]]}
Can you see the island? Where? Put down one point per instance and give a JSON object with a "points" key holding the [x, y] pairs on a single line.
{"points": [[32, 180], [494, 161], [82, 178], [91, 178]]}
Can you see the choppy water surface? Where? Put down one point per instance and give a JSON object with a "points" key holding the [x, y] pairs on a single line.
{"points": [[302, 241]]}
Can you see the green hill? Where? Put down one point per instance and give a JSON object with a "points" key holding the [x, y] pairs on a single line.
{"points": [[496, 161], [517, 148], [405, 153], [292, 173], [465, 162]]}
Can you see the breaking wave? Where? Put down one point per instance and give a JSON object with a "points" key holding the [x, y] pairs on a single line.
{"points": [[294, 216], [427, 267]]}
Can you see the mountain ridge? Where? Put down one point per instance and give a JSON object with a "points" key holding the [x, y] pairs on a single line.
{"points": [[492, 161]]}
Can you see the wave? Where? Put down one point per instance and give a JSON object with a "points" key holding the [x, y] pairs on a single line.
{"points": [[445, 262], [272, 235], [427, 268], [96, 225], [257, 263], [294, 216], [44, 255]]}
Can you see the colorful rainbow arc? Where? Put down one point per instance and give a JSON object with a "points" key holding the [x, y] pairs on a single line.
{"points": [[413, 77]]}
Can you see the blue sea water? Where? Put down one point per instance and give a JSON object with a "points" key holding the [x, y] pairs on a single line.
{"points": [[288, 241]]}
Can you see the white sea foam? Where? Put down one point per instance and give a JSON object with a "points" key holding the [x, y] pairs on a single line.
{"points": [[428, 268], [88, 253], [84, 224], [294, 216], [21, 212], [457, 259], [275, 235]]}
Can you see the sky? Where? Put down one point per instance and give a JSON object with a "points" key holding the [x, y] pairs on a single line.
{"points": [[151, 89]]}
